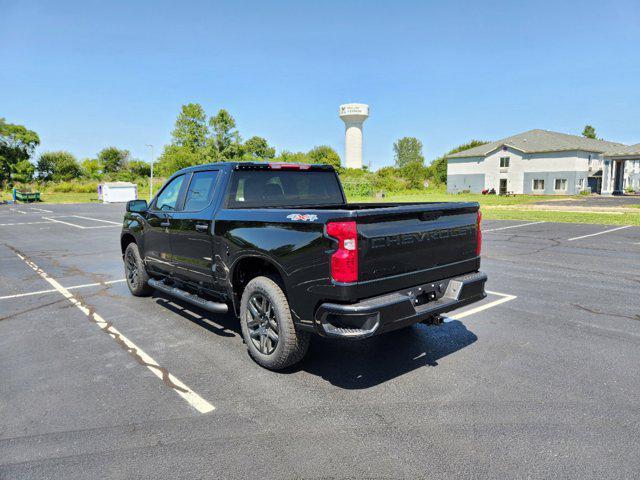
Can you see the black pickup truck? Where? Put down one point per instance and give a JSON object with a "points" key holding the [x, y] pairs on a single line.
{"points": [[280, 247]]}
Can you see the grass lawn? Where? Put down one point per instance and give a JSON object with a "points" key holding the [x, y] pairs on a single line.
{"points": [[442, 196]]}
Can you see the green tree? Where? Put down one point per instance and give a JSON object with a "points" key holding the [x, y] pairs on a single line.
{"points": [[415, 174], [17, 143], [196, 141], [58, 166], [91, 168], [175, 157], [139, 168], [408, 150], [67, 168], [323, 154], [225, 141], [389, 179], [292, 157], [256, 149], [438, 167], [113, 159], [191, 130], [46, 165], [410, 161], [589, 132], [23, 171]]}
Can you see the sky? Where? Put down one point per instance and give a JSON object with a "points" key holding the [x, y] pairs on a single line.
{"points": [[89, 74]]}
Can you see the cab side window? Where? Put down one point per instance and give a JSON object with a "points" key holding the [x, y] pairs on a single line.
{"points": [[168, 198], [200, 190]]}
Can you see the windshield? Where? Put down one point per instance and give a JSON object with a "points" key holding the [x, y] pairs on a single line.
{"points": [[283, 188]]}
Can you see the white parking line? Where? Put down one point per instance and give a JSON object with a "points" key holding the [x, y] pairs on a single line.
{"points": [[102, 226], [505, 298], [510, 226], [41, 210], [55, 219], [98, 220], [192, 398], [65, 223], [20, 223], [19, 211], [75, 287], [598, 233]]}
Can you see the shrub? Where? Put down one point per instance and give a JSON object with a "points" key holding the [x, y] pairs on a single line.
{"points": [[357, 187], [23, 171], [113, 159], [58, 166], [74, 186], [91, 168], [139, 168], [388, 180]]}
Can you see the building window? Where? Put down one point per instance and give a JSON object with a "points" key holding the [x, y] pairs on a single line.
{"points": [[561, 184], [581, 184], [504, 162], [538, 184]]}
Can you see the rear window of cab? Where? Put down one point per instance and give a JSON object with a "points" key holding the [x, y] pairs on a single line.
{"points": [[283, 188]]}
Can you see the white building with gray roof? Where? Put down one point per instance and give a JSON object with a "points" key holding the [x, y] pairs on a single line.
{"points": [[545, 162]]}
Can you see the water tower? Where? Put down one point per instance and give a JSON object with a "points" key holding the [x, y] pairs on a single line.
{"points": [[353, 115]]}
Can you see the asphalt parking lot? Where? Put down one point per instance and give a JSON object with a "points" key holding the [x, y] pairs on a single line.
{"points": [[541, 379]]}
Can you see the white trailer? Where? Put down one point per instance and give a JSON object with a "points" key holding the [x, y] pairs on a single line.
{"points": [[117, 192]]}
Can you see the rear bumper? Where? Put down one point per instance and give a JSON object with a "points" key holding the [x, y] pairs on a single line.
{"points": [[399, 309]]}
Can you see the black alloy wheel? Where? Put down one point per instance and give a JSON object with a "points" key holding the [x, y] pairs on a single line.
{"points": [[262, 324]]}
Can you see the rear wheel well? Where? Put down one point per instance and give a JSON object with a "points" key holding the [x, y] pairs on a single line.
{"points": [[250, 268], [126, 239]]}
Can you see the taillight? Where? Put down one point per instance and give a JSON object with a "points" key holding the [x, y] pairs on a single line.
{"points": [[344, 262], [479, 234]]}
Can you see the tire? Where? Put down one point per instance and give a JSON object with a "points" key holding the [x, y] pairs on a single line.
{"points": [[135, 272], [267, 328]]}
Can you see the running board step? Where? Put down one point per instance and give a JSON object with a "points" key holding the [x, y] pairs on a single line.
{"points": [[189, 297]]}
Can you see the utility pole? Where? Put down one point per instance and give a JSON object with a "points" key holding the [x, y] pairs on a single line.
{"points": [[151, 181]]}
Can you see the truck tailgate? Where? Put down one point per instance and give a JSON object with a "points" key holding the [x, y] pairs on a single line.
{"points": [[403, 239]]}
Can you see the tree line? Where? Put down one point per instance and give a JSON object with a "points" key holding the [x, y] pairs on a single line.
{"points": [[17, 164], [198, 138]]}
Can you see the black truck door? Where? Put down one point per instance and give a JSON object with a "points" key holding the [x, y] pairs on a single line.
{"points": [[157, 238], [192, 232]]}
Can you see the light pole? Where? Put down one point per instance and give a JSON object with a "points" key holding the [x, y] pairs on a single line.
{"points": [[151, 181]]}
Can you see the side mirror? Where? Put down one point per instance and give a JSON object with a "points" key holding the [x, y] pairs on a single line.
{"points": [[137, 206]]}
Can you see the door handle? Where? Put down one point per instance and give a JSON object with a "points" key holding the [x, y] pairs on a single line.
{"points": [[166, 223], [202, 227]]}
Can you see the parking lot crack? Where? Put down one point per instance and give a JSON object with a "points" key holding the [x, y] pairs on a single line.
{"points": [[138, 354], [32, 309], [107, 328], [608, 314]]}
